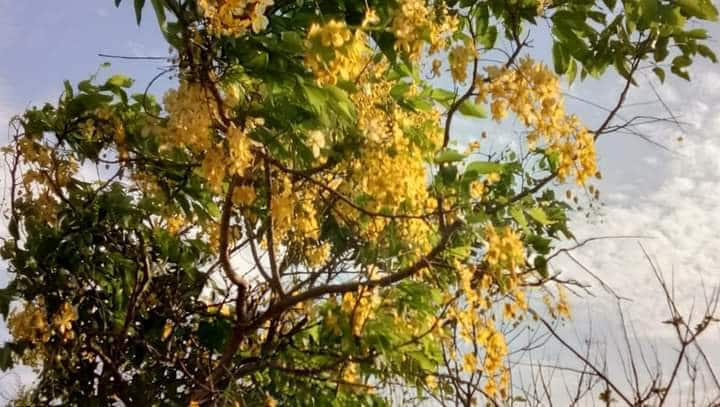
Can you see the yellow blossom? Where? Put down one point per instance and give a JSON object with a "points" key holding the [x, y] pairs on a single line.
{"points": [[533, 93], [241, 156], [336, 52], [235, 17], [244, 195], [63, 321], [213, 168], [505, 250], [469, 363], [477, 189], [190, 117]]}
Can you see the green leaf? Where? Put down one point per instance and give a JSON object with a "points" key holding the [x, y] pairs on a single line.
{"points": [[706, 52], [660, 73], [7, 295], [449, 156], [292, 41], [488, 38], [68, 89], [561, 59], [518, 216], [120, 81], [539, 215], [661, 49], [159, 13], [443, 96], [6, 361], [13, 229], [484, 167], [703, 9], [541, 266], [698, 33], [472, 109], [139, 4], [610, 4]]}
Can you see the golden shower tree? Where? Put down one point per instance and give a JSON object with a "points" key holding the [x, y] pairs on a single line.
{"points": [[382, 246]]}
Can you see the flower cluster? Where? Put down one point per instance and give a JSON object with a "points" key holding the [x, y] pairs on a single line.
{"points": [[240, 155], [415, 25], [335, 52], [31, 324], [235, 17], [390, 148], [459, 58], [190, 116], [505, 250], [360, 307], [532, 92]]}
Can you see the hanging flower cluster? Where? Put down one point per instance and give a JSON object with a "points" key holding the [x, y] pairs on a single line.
{"points": [[235, 18]]}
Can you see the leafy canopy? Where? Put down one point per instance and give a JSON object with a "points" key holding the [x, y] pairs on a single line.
{"points": [[381, 248]]}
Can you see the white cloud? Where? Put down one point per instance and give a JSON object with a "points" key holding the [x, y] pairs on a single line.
{"points": [[672, 199], [680, 217]]}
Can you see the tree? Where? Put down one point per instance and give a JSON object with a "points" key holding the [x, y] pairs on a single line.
{"points": [[310, 137]]}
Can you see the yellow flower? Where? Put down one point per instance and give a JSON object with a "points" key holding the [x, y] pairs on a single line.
{"points": [[505, 251], [190, 117], [459, 59], [469, 363], [235, 17], [431, 382], [270, 401], [241, 156], [244, 195], [317, 255], [174, 224], [30, 324], [436, 66], [477, 189], [335, 52], [493, 177], [350, 373], [167, 330], [63, 321], [414, 24], [317, 142], [371, 18], [533, 93], [213, 168]]}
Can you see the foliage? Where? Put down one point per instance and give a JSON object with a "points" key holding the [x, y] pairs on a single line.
{"points": [[304, 135]]}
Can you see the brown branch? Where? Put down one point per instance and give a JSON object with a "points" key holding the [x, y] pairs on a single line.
{"points": [[225, 240], [582, 358], [270, 238], [316, 292]]}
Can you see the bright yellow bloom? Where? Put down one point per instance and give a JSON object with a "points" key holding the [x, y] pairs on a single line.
{"points": [[505, 250], [469, 363], [415, 24], [30, 324], [63, 321], [336, 52], [459, 58], [244, 195], [241, 156], [477, 189], [190, 117], [235, 18], [213, 168], [533, 93]]}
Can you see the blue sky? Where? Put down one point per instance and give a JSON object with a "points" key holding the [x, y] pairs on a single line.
{"points": [[669, 197], [43, 43]]}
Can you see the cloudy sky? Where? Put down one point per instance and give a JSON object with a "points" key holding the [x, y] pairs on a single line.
{"points": [[667, 195]]}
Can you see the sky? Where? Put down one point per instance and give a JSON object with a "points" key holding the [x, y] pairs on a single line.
{"points": [[667, 195]]}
